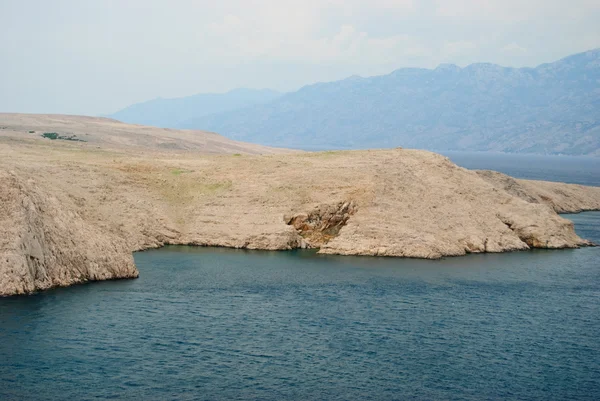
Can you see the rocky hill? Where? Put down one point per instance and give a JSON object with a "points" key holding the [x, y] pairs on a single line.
{"points": [[73, 211], [105, 133], [551, 109]]}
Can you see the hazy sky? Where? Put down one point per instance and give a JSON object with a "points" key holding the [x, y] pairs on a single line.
{"points": [[97, 56]]}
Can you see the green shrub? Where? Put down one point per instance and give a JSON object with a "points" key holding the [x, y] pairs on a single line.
{"points": [[54, 135], [50, 135]]}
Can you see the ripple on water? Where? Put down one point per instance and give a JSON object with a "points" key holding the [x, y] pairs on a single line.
{"points": [[206, 323]]}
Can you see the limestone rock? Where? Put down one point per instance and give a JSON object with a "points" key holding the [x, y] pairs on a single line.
{"points": [[44, 245], [74, 212], [322, 223], [563, 198]]}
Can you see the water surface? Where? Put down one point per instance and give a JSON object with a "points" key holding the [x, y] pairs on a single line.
{"points": [[571, 169], [212, 323]]}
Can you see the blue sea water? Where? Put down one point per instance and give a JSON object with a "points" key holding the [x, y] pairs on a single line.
{"points": [[572, 169], [214, 323]]}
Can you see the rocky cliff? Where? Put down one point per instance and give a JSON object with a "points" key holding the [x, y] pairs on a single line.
{"points": [[562, 198], [46, 244], [73, 212]]}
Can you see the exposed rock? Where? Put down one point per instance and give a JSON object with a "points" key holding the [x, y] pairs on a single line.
{"points": [[44, 245], [322, 223], [536, 236], [563, 198], [71, 213], [508, 184]]}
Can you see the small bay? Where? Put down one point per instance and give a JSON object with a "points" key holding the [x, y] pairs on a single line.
{"points": [[212, 323], [215, 323]]}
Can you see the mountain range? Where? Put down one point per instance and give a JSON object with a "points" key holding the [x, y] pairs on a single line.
{"points": [[172, 113], [550, 109]]}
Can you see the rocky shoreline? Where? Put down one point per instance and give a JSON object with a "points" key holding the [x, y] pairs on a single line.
{"points": [[74, 212], [55, 238]]}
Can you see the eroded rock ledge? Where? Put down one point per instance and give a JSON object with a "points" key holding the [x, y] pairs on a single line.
{"points": [[322, 223], [562, 198], [44, 245], [67, 218]]}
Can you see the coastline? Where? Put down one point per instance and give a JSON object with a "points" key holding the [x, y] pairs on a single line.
{"points": [[154, 227], [75, 212]]}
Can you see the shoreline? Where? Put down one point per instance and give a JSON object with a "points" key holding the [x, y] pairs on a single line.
{"points": [[76, 212], [288, 238], [314, 251]]}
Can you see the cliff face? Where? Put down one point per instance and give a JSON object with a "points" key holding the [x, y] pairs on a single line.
{"points": [[428, 207], [562, 198], [44, 245], [71, 212], [81, 222]]}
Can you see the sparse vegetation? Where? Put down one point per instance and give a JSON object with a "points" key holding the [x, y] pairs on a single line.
{"points": [[50, 135], [326, 153], [216, 186], [179, 171], [237, 154], [184, 189], [55, 135], [32, 132]]}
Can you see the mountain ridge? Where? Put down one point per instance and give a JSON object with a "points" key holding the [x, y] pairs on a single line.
{"points": [[548, 109], [553, 108], [172, 112]]}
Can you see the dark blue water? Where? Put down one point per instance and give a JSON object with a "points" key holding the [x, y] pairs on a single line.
{"points": [[571, 169], [206, 323]]}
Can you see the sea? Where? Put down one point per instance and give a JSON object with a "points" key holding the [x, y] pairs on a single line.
{"points": [[584, 170], [223, 324]]}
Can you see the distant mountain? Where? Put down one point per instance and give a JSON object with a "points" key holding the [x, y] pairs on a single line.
{"points": [[172, 113], [551, 109]]}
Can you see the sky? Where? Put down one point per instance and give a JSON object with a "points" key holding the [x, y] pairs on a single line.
{"points": [[95, 57]]}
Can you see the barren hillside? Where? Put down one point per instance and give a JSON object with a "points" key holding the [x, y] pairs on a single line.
{"points": [[74, 211], [106, 133]]}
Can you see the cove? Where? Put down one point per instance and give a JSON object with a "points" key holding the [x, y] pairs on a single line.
{"points": [[216, 323]]}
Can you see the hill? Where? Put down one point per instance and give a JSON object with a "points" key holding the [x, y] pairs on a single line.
{"points": [[72, 211], [551, 109], [181, 111], [105, 133]]}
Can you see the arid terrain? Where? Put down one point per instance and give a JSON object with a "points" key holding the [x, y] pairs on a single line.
{"points": [[105, 133], [73, 211]]}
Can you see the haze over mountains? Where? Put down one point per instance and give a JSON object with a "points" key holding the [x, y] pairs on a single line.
{"points": [[551, 109], [172, 113]]}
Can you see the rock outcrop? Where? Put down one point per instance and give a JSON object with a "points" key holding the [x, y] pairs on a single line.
{"points": [[44, 245], [71, 213], [322, 223], [561, 197]]}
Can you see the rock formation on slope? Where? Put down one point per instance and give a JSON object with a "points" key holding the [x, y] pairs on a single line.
{"points": [[74, 211], [44, 245], [563, 198]]}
